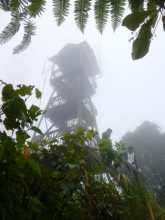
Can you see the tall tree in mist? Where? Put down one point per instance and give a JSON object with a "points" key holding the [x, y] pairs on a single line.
{"points": [[149, 144]]}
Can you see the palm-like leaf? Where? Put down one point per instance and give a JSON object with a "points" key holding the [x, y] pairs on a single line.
{"points": [[117, 11], [82, 8], [61, 9], [14, 5], [11, 29], [101, 13], [29, 30], [4, 4], [21, 6], [36, 7]]}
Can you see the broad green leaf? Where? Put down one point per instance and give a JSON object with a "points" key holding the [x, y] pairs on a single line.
{"points": [[15, 108], [34, 112], [132, 21], [21, 137], [142, 43], [7, 92], [136, 5], [11, 124]]}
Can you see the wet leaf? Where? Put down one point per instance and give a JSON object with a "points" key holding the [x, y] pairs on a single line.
{"points": [[142, 42], [132, 21]]}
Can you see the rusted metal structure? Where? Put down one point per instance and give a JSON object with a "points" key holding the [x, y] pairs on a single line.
{"points": [[73, 81]]}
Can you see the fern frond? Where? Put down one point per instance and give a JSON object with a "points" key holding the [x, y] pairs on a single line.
{"points": [[101, 13], [19, 5], [10, 30], [117, 11], [15, 4], [36, 7], [61, 9], [82, 8], [29, 31], [4, 4]]}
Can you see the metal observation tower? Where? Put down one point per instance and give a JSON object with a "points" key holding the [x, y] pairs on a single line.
{"points": [[73, 81]]}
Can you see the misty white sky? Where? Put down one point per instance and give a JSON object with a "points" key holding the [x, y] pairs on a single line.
{"points": [[128, 93]]}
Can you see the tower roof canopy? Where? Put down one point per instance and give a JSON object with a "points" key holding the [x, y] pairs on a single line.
{"points": [[76, 58]]}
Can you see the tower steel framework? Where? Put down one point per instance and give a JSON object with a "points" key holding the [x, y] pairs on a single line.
{"points": [[73, 80]]}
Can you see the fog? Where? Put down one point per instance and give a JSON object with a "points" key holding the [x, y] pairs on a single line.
{"points": [[129, 92]]}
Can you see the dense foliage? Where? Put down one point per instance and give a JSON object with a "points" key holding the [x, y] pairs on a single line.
{"points": [[63, 178], [149, 145], [143, 19]]}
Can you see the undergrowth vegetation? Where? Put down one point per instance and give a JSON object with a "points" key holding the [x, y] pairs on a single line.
{"points": [[64, 178]]}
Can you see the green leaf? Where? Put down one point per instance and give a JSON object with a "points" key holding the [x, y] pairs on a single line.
{"points": [[38, 93], [37, 130], [136, 5], [81, 11], [15, 108], [34, 112], [7, 92], [11, 124], [21, 137], [24, 90], [132, 21], [142, 43]]}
